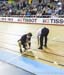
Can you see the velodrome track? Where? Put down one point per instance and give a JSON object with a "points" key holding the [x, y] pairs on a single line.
{"points": [[52, 56]]}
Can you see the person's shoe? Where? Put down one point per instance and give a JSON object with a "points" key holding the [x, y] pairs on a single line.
{"points": [[40, 48], [45, 46]]}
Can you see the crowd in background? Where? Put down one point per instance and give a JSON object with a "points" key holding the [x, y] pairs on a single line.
{"points": [[45, 10]]}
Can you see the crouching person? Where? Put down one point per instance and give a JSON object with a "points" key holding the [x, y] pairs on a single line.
{"points": [[25, 41]]}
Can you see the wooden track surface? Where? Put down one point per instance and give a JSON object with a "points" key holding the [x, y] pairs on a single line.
{"points": [[11, 32]]}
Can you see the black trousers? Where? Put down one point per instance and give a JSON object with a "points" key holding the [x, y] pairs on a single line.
{"points": [[24, 45], [43, 37]]}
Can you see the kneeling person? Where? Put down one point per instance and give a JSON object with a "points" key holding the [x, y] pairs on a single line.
{"points": [[25, 40]]}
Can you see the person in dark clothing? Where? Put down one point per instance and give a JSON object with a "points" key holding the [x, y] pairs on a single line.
{"points": [[43, 35], [25, 41]]}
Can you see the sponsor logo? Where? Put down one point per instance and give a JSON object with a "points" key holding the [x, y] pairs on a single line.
{"points": [[53, 21], [3, 19], [19, 19], [46, 21], [29, 20], [57, 21], [10, 19]]}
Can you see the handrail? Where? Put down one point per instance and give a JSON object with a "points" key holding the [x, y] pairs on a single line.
{"points": [[43, 16]]}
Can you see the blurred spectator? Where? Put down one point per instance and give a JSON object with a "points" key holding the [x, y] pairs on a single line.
{"points": [[54, 15], [40, 9], [28, 14]]}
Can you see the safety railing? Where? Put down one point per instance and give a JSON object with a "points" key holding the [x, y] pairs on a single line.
{"points": [[43, 16]]}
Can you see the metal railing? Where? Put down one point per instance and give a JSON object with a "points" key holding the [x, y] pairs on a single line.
{"points": [[43, 16]]}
